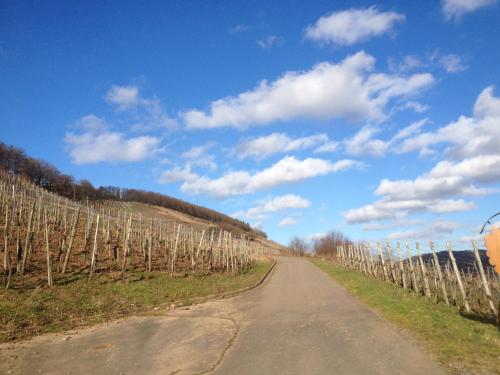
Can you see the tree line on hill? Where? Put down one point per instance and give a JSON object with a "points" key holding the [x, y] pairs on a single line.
{"points": [[41, 173], [324, 246]]}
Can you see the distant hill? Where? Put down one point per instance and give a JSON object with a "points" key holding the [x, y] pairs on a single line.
{"points": [[465, 259], [14, 160]]}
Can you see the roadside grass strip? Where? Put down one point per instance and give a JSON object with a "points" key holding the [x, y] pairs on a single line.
{"points": [[463, 345], [81, 302]]}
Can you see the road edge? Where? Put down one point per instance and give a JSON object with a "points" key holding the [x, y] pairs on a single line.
{"points": [[214, 297], [152, 310]]}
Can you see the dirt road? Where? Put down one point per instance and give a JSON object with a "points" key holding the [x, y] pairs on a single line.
{"points": [[298, 322]]}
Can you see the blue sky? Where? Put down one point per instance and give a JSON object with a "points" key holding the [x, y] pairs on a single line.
{"points": [[380, 119]]}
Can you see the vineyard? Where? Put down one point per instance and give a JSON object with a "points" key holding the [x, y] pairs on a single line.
{"points": [[473, 290], [46, 239]]}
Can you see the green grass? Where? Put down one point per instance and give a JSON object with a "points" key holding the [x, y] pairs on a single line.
{"points": [[464, 346], [24, 313]]}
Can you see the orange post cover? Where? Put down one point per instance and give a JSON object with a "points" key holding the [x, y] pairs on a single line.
{"points": [[493, 247]]}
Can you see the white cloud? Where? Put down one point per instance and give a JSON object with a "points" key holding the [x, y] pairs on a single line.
{"points": [[397, 223], [487, 105], [362, 143], [330, 146], [483, 168], [145, 114], [443, 226], [96, 144], [262, 211], [410, 130], [275, 143], [386, 209], [354, 25], [433, 231], [426, 187], [270, 41], [468, 136], [318, 236], [365, 143], [196, 152], [452, 63], [91, 123], [199, 156], [288, 221], [348, 90], [415, 106], [473, 158], [277, 204], [124, 97], [287, 170], [455, 9], [178, 174], [407, 64], [373, 227], [475, 237]]}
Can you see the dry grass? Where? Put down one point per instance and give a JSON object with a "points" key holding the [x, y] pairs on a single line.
{"points": [[28, 312]]}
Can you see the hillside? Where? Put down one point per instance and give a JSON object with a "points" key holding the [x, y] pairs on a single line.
{"points": [[150, 204], [466, 261]]}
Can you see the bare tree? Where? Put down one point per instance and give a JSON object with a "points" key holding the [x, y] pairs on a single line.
{"points": [[327, 245], [298, 246]]}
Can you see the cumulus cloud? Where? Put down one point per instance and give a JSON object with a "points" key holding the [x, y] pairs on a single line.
{"points": [[94, 143], [318, 236], [408, 63], [468, 136], [351, 26], [288, 221], [278, 204], [349, 89], [432, 231], [199, 156], [330, 146], [124, 97], [286, 171], [364, 142], [473, 159], [410, 130], [275, 143], [385, 209], [455, 9], [452, 63], [449, 62], [144, 113]]}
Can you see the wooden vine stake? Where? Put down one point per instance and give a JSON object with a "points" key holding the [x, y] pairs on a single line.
{"points": [[126, 247], [6, 258], [423, 269], [93, 261], [174, 255], [74, 225], [486, 287], [416, 287], [457, 275], [27, 242], [440, 274], [47, 247]]}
